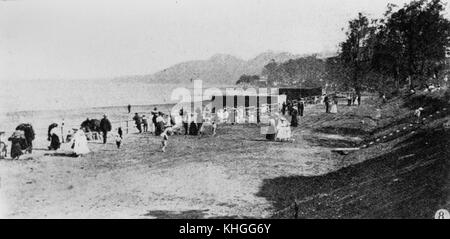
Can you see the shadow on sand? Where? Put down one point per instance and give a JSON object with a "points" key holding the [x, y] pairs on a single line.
{"points": [[189, 214]]}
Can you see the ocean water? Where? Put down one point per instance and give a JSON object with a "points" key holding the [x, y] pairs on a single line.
{"points": [[35, 95], [42, 102]]}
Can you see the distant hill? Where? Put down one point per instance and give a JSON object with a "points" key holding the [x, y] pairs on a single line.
{"points": [[220, 69]]}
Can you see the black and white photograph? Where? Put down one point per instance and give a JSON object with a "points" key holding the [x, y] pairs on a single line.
{"points": [[225, 109]]}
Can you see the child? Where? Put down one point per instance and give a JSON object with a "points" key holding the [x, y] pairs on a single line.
{"points": [[120, 132], [165, 136], [119, 137]]}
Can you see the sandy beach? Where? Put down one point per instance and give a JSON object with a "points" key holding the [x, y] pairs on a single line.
{"points": [[211, 176], [238, 174]]}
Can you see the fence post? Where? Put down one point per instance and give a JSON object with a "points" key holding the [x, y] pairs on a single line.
{"points": [[62, 131], [127, 125]]}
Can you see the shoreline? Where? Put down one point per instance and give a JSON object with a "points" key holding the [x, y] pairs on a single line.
{"points": [[68, 119], [96, 108]]}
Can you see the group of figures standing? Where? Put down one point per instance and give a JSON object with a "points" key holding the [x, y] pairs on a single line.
{"points": [[279, 128], [164, 125], [293, 109], [159, 122]]}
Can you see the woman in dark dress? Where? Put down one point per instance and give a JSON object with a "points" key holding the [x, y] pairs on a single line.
{"points": [[193, 130], [29, 136], [53, 137], [159, 124], [18, 142], [289, 107], [301, 107], [294, 120], [55, 143]]}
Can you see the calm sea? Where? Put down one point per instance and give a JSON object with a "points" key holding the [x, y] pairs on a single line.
{"points": [[74, 94], [42, 102]]}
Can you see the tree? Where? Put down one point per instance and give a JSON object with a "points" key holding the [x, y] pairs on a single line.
{"points": [[356, 51], [406, 45], [271, 72], [419, 31], [247, 79], [337, 73], [305, 72]]}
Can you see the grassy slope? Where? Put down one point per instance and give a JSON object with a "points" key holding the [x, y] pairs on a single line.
{"points": [[405, 175]]}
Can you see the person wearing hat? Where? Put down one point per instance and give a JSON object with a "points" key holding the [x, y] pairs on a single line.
{"points": [[105, 127]]}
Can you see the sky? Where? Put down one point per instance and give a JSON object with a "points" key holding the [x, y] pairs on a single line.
{"points": [[42, 39]]}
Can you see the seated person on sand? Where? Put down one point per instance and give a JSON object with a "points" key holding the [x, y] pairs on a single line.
{"points": [[53, 137], [79, 143], [283, 131], [29, 135], [18, 143]]}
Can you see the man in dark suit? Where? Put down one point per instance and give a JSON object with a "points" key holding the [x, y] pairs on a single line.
{"points": [[105, 127], [327, 104], [301, 107]]}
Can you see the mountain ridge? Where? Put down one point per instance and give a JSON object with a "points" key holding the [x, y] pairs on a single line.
{"points": [[219, 69]]}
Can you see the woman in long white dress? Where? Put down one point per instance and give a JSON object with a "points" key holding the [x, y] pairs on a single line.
{"points": [[333, 109], [240, 115], [79, 143], [283, 130], [219, 116], [226, 116]]}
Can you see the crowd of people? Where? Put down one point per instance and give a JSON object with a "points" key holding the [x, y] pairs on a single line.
{"points": [[197, 123]]}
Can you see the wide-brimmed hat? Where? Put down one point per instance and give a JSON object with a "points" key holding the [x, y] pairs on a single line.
{"points": [[18, 134]]}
